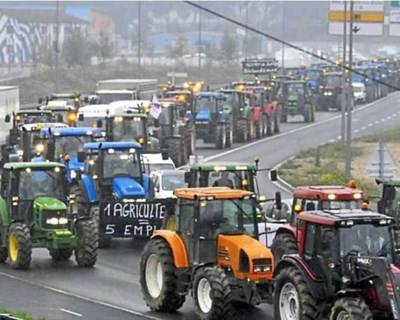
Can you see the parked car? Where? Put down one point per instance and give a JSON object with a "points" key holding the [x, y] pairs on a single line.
{"points": [[166, 181]]}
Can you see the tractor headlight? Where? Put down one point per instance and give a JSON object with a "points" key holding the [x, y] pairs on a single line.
{"points": [[357, 196], [39, 148], [62, 220], [257, 269], [331, 196], [73, 174], [52, 221]]}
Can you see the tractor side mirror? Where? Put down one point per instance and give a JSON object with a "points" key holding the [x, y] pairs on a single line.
{"points": [[187, 177], [81, 156], [81, 117], [99, 124], [164, 154], [278, 200], [7, 118], [273, 175]]}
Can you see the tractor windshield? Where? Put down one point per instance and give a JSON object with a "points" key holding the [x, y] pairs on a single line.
{"points": [[70, 145], [128, 128], [296, 89], [27, 118], [41, 183], [122, 163], [106, 98], [206, 103], [333, 81], [173, 180], [313, 74], [228, 216], [338, 205], [366, 240]]}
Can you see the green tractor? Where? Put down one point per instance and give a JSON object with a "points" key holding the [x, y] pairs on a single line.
{"points": [[35, 212], [295, 99]]}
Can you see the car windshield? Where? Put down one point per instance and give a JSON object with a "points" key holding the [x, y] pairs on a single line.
{"points": [[205, 103], [172, 181], [106, 98], [227, 216], [366, 240], [41, 183], [333, 81], [128, 128], [121, 163], [296, 89], [338, 205], [160, 166], [69, 145]]}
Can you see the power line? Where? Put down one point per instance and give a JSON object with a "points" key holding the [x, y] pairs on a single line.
{"points": [[288, 44]]}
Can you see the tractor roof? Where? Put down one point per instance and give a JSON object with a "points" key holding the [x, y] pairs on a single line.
{"points": [[333, 73], [40, 125], [342, 217], [217, 193], [325, 193], [230, 90], [113, 145], [178, 92], [392, 182], [295, 82], [129, 114], [33, 111], [213, 94], [32, 165], [223, 166], [72, 131]]}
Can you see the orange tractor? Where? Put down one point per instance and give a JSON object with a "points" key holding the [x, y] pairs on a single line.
{"points": [[210, 250]]}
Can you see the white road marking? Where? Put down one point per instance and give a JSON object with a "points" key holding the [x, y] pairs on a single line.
{"points": [[383, 120], [338, 137], [331, 140], [377, 122], [356, 131], [370, 124], [71, 312], [77, 296], [248, 145], [363, 128]]}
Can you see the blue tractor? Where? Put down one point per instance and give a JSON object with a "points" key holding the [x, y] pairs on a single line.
{"points": [[117, 192], [213, 119], [64, 144]]}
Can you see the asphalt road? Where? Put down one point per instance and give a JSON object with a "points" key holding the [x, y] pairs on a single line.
{"points": [[112, 287]]}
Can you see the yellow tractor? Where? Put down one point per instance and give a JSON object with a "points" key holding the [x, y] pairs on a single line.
{"points": [[211, 250]]}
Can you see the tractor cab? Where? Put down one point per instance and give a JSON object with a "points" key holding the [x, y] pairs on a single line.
{"points": [[63, 111], [184, 98], [64, 145], [233, 175], [210, 250], [35, 212], [71, 98], [340, 253], [389, 198], [331, 91]]}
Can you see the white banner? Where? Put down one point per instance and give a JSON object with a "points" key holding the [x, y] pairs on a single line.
{"points": [[359, 6]]}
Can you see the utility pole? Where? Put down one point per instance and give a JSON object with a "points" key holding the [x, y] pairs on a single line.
{"points": [[199, 41], [349, 96], [283, 38], [56, 42], [246, 39], [343, 119], [139, 30]]}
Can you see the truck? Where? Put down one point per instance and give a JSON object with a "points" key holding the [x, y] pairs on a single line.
{"points": [[125, 89], [9, 104]]}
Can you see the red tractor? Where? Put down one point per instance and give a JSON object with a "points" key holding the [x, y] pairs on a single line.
{"points": [[344, 269], [310, 199]]}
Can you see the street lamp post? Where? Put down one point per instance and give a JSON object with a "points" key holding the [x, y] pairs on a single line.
{"points": [[139, 51], [343, 111]]}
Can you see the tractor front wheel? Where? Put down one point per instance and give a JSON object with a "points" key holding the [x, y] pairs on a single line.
{"points": [[61, 255], [158, 279], [212, 294], [19, 246], [284, 243], [86, 249], [350, 308], [293, 298]]}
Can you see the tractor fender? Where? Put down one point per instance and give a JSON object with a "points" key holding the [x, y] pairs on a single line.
{"points": [[315, 285], [177, 246], [89, 188], [4, 221]]}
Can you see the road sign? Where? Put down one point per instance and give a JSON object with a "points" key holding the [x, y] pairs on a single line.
{"points": [[259, 66], [368, 16], [381, 164]]}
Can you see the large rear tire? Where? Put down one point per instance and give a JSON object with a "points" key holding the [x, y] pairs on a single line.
{"points": [[292, 297], [3, 254], [212, 295], [229, 136], [86, 249], [350, 308], [19, 246], [220, 142], [61, 255], [276, 122], [242, 134], [284, 243], [158, 279]]}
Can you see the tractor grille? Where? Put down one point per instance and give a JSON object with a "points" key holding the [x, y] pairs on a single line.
{"points": [[262, 262], [48, 214]]}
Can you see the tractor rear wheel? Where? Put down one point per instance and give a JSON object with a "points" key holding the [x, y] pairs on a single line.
{"points": [[158, 279], [350, 308], [283, 114], [212, 294], [276, 122], [94, 214], [293, 299], [284, 243], [229, 136], [61, 254], [308, 113], [259, 126], [19, 246], [242, 134], [220, 142], [86, 249], [176, 152]]}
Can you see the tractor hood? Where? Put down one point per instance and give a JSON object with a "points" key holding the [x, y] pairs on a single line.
{"points": [[312, 84], [74, 164], [292, 98], [203, 115], [48, 203], [126, 187], [241, 252]]}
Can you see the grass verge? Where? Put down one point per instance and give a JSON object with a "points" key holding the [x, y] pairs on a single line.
{"points": [[20, 315]]}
